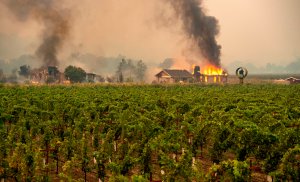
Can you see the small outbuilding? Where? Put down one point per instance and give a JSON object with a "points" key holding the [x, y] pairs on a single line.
{"points": [[173, 76], [293, 80], [90, 77]]}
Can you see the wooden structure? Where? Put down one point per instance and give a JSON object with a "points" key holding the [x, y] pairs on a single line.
{"points": [[173, 76], [214, 78], [293, 80], [90, 77], [209, 78]]}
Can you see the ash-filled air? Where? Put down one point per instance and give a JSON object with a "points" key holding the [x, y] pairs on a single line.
{"points": [[110, 28], [200, 28], [55, 21]]}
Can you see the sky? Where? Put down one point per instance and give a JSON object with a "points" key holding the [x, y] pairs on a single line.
{"points": [[256, 31]]}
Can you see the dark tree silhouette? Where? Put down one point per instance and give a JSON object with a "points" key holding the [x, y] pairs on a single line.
{"points": [[75, 74], [24, 71]]}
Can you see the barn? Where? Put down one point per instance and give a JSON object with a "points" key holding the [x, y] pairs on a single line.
{"points": [[173, 76], [293, 80]]}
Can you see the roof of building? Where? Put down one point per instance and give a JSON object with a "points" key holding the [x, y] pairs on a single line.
{"points": [[176, 73], [92, 74], [291, 78]]}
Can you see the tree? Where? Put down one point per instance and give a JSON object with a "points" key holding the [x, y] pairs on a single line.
{"points": [[126, 70], [2, 76], [293, 67], [75, 74], [140, 70], [121, 78], [24, 71]]}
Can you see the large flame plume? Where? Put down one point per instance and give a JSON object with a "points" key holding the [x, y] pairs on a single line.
{"points": [[212, 70]]}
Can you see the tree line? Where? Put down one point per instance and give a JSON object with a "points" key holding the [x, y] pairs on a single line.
{"points": [[127, 71]]}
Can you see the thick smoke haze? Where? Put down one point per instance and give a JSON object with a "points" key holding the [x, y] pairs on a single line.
{"points": [[200, 28], [97, 31], [257, 32], [104, 28], [55, 22]]}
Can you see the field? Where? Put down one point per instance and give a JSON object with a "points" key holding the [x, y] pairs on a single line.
{"points": [[150, 133], [262, 78]]}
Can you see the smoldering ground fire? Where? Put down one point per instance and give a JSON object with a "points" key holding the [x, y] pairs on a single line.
{"points": [[54, 19]]}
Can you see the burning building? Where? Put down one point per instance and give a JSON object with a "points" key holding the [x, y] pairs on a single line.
{"points": [[49, 74], [210, 74]]}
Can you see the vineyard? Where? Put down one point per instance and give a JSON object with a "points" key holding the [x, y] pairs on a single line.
{"points": [[150, 133]]}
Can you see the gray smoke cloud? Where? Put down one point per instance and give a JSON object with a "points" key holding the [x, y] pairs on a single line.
{"points": [[199, 27], [56, 22]]}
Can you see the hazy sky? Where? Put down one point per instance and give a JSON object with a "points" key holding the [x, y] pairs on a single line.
{"points": [[257, 31]]}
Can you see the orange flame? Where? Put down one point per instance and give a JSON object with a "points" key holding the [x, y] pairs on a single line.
{"points": [[212, 70]]}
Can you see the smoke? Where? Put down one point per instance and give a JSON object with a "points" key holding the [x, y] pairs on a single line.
{"points": [[167, 63], [19, 61], [55, 21], [105, 66], [199, 28], [109, 28]]}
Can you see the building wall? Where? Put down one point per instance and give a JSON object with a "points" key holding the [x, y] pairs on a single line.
{"points": [[173, 80], [165, 80]]}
